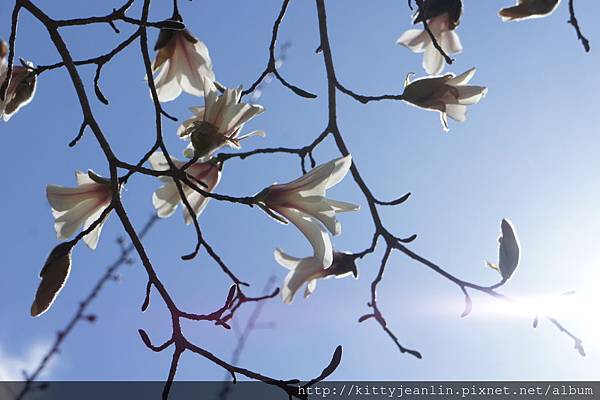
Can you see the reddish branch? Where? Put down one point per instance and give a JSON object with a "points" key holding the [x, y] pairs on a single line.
{"points": [[235, 297], [381, 232], [82, 313]]}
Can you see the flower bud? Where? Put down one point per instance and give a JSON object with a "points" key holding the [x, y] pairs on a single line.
{"points": [[54, 274]]}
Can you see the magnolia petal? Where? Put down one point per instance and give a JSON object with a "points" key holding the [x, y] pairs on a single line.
{"points": [[468, 95], [167, 87], [159, 162], [444, 121], [65, 198], [195, 65], [91, 239], [322, 177], [310, 288], [305, 271], [323, 209], [248, 112], [83, 178], [70, 221], [463, 78], [285, 260], [165, 199], [342, 206], [457, 112], [340, 169], [433, 61], [314, 232], [251, 134], [414, 39], [198, 203], [450, 42], [212, 101]]}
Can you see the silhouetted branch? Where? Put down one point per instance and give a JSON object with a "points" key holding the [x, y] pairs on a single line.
{"points": [[573, 21], [437, 46], [82, 310], [244, 335], [391, 241], [271, 67], [235, 296]]}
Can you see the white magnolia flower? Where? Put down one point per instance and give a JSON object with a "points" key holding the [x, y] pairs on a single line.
{"points": [[166, 198], [525, 9], [219, 122], [441, 20], [82, 205], [509, 251], [308, 270], [184, 63], [302, 202], [20, 90], [449, 95]]}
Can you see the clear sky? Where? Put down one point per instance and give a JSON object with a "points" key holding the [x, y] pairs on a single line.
{"points": [[528, 152]]}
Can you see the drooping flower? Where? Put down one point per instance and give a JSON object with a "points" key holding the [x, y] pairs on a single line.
{"points": [[166, 198], [20, 90], [442, 16], [184, 63], [219, 122], [449, 95], [82, 205], [303, 203], [526, 9], [509, 251], [308, 270]]}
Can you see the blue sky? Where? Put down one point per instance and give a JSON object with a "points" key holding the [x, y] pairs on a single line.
{"points": [[528, 151]]}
